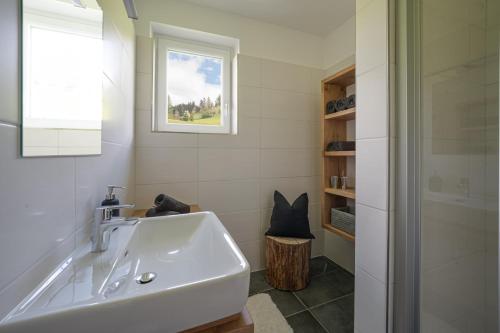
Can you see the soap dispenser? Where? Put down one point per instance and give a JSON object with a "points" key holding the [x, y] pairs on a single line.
{"points": [[111, 199]]}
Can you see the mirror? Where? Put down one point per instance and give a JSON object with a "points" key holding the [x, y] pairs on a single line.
{"points": [[62, 78]]}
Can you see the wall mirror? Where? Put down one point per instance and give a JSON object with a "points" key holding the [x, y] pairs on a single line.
{"points": [[62, 77]]}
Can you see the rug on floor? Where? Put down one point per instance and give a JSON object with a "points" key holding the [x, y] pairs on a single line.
{"points": [[266, 316]]}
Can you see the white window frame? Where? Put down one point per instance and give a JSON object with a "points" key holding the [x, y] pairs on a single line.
{"points": [[165, 44]]}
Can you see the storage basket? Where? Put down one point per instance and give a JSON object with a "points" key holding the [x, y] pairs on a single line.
{"points": [[343, 218]]}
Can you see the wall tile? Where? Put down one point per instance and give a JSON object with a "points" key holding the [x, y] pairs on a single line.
{"points": [[370, 304], [249, 71], [243, 226], [145, 137], [278, 75], [228, 164], [229, 196], [144, 56], [371, 36], [282, 104], [248, 136], [9, 62], [38, 208], [372, 116], [371, 241], [249, 101], [289, 163], [285, 133], [166, 165], [144, 92], [372, 172], [254, 253], [291, 188]]}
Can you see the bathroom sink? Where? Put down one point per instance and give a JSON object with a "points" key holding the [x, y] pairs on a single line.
{"points": [[165, 274]]}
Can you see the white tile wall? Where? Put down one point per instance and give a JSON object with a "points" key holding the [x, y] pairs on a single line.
{"points": [[372, 166], [46, 204], [277, 147]]}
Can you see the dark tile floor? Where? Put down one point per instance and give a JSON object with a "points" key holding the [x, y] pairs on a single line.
{"points": [[326, 305]]}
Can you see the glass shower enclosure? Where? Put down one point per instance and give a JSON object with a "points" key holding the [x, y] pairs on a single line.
{"points": [[448, 174]]}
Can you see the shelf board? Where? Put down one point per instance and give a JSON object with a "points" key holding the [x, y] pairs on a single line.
{"points": [[349, 193], [339, 232], [349, 114], [344, 78], [340, 153]]}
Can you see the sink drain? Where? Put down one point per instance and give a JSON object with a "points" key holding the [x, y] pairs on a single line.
{"points": [[145, 277]]}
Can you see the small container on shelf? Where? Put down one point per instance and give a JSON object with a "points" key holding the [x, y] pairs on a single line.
{"points": [[343, 218]]}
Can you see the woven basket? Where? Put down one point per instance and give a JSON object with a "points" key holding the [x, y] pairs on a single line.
{"points": [[343, 218]]}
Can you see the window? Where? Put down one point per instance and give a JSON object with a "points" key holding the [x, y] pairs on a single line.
{"points": [[192, 87]]}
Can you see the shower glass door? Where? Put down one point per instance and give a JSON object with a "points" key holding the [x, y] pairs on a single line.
{"points": [[458, 121]]}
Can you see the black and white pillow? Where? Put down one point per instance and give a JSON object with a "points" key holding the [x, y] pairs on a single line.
{"points": [[290, 220]]}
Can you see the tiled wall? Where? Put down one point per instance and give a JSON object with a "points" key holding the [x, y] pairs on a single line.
{"points": [[46, 204], [372, 165], [277, 147]]}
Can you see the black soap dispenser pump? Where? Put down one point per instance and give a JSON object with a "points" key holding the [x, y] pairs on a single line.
{"points": [[111, 199]]}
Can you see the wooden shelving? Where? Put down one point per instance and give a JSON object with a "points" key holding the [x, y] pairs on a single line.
{"points": [[349, 114], [336, 163], [348, 193], [339, 232], [340, 153]]}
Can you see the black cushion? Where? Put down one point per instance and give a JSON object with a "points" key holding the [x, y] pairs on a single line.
{"points": [[290, 221]]}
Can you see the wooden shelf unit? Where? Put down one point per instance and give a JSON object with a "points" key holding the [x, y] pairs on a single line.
{"points": [[340, 153], [334, 163], [347, 193]]}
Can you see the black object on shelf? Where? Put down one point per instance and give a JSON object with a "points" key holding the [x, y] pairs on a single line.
{"points": [[351, 101], [340, 104], [165, 203], [341, 146], [330, 107]]}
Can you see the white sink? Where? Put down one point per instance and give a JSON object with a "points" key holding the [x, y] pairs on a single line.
{"points": [[201, 276]]}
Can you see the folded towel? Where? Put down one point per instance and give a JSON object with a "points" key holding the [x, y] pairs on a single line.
{"points": [[330, 107], [351, 101], [152, 212], [340, 104], [165, 203]]}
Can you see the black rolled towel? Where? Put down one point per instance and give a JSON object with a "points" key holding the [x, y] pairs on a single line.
{"points": [[351, 101], [153, 212], [165, 203], [330, 107], [340, 104], [341, 146]]}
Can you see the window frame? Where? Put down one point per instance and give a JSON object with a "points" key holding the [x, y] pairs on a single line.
{"points": [[168, 43]]}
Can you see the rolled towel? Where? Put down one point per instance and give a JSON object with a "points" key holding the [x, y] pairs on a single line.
{"points": [[330, 107], [152, 212], [341, 146], [351, 101], [340, 104], [165, 203]]}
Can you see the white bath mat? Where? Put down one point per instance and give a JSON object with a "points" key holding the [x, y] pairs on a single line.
{"points": [[266, 316]]}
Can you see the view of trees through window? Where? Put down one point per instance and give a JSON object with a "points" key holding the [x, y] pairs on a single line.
{"points": [[194, 88]]}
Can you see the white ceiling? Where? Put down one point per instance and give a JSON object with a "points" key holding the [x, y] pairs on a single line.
{"points": [[318, 17]]}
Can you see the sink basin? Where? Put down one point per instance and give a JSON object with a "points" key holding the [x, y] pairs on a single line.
{"points": [[198, 275]]}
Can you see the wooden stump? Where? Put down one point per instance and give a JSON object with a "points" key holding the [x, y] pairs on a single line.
{"points": [[287, 262]]}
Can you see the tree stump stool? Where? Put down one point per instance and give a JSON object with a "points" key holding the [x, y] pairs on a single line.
{"points": [[287, 262]]}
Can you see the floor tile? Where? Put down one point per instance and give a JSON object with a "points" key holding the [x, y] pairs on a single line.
{"points": [[286, 302], [304, 322], [321, 265], [337, 316], [258, 283], [324, 288]]}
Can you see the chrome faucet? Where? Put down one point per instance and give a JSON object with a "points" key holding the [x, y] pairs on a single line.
{"points": [[104, 222]]}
